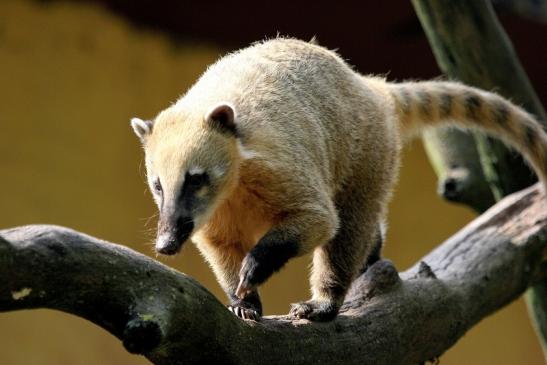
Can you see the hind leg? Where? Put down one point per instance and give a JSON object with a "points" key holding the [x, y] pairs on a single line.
{"points": [[337, 263], [376, 253]]}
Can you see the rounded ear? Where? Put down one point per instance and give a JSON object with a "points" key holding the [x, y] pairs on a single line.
{"points": [[222, 117], [142, 128]]}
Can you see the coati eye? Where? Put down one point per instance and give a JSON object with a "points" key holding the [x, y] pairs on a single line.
{"points": [[195, 181], [157, 187]]}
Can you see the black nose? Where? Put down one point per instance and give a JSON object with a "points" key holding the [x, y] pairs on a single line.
{"points": [[169, 248], [171, 238]]}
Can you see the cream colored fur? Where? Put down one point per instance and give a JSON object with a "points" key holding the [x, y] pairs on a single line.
{"points": [[317, 153]]}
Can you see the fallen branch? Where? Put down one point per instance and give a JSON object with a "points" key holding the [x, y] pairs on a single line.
{"points": [[386, 319]]}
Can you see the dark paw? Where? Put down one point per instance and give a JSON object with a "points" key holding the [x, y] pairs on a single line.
{"points": [[243, 312], [314, 310], [250, 276], [267, 257]]}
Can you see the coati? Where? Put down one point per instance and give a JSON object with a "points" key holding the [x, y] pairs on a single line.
{"points": [[282, 149]]}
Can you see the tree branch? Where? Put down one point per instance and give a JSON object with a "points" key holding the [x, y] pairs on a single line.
{"points": [[470, 44], [386, 319], [456, 161]]}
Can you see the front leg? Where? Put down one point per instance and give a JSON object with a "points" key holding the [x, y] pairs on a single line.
{"points": [[296, 235], [225, 261], [267, 257]]}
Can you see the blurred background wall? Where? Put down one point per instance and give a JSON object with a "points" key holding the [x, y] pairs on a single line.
{"points": [[73, 73]]}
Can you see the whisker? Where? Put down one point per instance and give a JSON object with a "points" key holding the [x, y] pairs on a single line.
{"points": [[147, 222]]}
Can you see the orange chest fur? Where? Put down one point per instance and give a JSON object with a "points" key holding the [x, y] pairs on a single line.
{"points": [[241, 220]]}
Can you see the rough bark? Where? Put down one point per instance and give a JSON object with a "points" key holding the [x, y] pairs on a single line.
{"points": [[386, 319]]}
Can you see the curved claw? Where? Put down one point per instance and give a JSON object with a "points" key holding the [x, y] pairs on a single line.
{"points": [[244, 313], [299, 310], [314, 310]]}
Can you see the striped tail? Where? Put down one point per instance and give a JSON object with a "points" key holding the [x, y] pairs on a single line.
{"points": [[435, 103]]}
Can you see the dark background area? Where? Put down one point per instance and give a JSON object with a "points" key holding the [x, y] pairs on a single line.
{"points": [[377, 37]]}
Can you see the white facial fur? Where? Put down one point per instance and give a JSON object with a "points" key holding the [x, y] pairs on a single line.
{"points": [[195, 170], [246, 153]]}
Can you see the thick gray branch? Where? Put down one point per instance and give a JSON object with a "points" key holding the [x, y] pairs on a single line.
{"points": [[387, 318]]}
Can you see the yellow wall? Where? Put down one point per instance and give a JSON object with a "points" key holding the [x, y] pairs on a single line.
{"points": [[71, 76]]}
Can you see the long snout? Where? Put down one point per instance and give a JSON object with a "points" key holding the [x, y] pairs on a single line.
{"points": [[172, 234]]}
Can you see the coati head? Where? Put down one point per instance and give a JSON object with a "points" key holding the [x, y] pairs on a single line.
{"points": [[192, 162]]}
